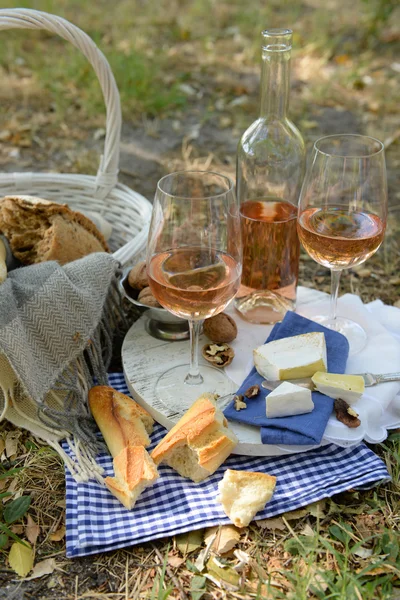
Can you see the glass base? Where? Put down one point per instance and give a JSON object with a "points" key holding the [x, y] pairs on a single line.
{"points": [[264, 306], [173, 332], [354, 333], [177, 395]]}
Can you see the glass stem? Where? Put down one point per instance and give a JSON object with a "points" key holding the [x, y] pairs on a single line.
{"points": [[194, 377], [335, 280]]}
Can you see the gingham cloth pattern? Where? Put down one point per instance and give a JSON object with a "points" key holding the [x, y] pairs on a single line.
{"points": [[97, 522]]}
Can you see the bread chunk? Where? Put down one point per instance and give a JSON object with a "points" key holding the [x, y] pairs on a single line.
{"points": [[39, 230], [120, 419], [243, 493], [199, 443], [134, 472]]}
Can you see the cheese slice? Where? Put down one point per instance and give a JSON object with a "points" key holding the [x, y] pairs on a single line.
{"points": [[347, 387], [288, 400], [292, 357]]}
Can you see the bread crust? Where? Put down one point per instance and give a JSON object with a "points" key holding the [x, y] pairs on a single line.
{"points": [[134, 470], [120, 419], [203, 432], [234, 476], [39, 230], [198, 420]]}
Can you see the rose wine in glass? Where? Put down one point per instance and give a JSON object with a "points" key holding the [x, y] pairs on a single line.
{"points": [[342, 213], [194, 269]]}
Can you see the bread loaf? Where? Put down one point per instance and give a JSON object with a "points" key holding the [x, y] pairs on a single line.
{"points": [[199, 443], [120, 419], [134, 471], [39, 230], [243, 493]]}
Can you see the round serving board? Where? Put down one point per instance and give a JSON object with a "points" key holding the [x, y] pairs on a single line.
{"points": [[145, 358]]}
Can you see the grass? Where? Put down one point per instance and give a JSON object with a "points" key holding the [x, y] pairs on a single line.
{"points": [[154, 46], [347, 547]]}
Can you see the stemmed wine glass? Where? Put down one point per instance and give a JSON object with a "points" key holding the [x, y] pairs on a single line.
{"points": [[342, 213], [194, 268]]}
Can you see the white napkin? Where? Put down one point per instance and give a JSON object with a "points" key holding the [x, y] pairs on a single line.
{"points": [[379, 407]]}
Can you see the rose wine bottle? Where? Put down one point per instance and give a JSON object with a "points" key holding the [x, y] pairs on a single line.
{"points": [[270, 168]]}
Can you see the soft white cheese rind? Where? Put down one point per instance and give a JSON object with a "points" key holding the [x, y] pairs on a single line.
{"points": [[288, 400], [348, 387], [292, 358]]}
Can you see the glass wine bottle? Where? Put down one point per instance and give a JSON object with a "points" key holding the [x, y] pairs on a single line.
{"points": [[270, 169]]}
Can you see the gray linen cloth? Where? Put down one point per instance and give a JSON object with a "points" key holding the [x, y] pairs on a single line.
{"points": [[56, 328]]}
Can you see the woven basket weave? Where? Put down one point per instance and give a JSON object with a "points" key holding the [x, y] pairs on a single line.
{"points": [[127, 211]]}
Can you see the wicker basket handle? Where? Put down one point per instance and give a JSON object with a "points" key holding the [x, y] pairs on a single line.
{"points": [[19, 18]]}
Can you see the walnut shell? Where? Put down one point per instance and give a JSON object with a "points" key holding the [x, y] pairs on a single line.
{"points": [[221, 328], [137, 277], [345, 414], [146, 297], [220, 355]]}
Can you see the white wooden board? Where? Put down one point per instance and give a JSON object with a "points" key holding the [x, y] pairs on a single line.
{"points": [[145, 358]]}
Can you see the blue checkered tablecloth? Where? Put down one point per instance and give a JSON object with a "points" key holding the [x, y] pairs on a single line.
{"points": [[97, 522]]}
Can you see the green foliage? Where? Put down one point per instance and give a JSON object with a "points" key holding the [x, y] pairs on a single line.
{"points": [[198, 587], [380, 12], [157, 591], [16, 509], [13, 511]]}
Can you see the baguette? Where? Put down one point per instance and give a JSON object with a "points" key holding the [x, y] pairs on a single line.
{"points": [[199, 443], [244, 493], [134, 471], [120, 419]]}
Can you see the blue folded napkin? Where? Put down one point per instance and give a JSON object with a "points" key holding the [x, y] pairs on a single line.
{"points": [[306, 429]]}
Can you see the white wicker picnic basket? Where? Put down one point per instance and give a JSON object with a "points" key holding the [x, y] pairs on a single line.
{"points": [[127, 211]]}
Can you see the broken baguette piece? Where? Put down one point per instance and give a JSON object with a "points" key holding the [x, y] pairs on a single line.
{"points": [[134, 472], [199, 443], [244, 493], [120, 419]]}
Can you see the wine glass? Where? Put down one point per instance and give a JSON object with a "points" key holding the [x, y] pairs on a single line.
{"points": [[342, 213], [194, 268]]}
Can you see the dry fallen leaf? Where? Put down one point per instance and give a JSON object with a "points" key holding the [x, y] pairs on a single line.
{"points": [[223, 573], [17, 529], [175, 561], [21, 558], [32, 530], [307, 530], [273, 524], [245, 558], [226, 538], [190, 541], [44, 567], [58, 535], [12, 442], [203, 554]]}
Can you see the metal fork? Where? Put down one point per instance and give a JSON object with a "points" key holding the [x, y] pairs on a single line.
{"points": [[369, 380]]}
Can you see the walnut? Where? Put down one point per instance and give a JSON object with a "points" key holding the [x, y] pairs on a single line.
{"points": [[137, 276], [345, 414], [253, 391], [220, 355], [239, 403], [146, 297], [221, 328]]}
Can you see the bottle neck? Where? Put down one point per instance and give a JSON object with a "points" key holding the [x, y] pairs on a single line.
{"points": [[275, 83]]}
